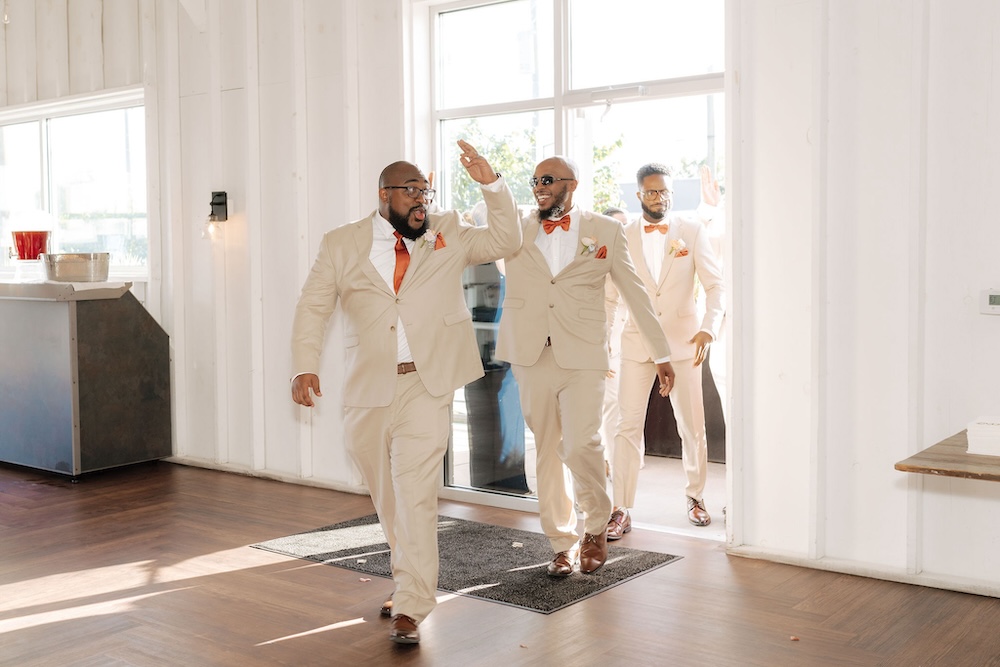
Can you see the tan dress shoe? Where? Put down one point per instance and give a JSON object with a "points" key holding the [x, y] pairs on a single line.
{"points": [[403, 630], [564, 562], [593, 551], [697, 514], [620, 524]]}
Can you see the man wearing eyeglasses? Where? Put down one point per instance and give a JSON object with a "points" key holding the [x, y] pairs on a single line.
{"points": [[554, 333], [671, 251], [409, 345]]}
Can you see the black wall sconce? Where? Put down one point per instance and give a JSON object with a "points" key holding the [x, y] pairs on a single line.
{"points": [[218, 214]]}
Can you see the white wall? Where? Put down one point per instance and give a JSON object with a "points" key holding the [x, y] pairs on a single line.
{"points": [[865, 215], [862, 151]]}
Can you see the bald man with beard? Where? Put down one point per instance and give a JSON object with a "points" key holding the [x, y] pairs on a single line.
{"points": [[554, 333], [409, 344]]}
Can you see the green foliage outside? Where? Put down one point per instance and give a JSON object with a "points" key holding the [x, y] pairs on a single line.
{"points": [[514, 156]]}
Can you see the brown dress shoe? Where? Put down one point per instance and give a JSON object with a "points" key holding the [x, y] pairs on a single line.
{"points": [[697, 514], [386, 609], [593, 551], [564, 562], [403, 630], [620, 524]]}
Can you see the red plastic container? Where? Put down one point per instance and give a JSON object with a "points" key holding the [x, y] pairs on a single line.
{"points": [[31, 244]]}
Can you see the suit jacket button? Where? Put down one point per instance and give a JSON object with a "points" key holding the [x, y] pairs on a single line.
{"points": [[553, 281], [552, 305]]}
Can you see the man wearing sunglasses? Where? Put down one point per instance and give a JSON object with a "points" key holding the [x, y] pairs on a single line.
{"points": [[409, 344], [554, 333]]}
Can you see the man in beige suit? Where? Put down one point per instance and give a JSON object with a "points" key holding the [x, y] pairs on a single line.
{"points": [[409, 341], [670, 252], [554, 333]]}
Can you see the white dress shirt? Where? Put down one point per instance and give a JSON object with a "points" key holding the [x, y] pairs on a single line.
{"points": [[560, 247]]}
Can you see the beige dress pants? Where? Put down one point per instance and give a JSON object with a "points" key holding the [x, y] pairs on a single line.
{"points": [[399, 450], [686, 398], [562, 407]]}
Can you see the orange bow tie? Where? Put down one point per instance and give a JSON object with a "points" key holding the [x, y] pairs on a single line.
{"points": [[549, 225], [663, 229]]}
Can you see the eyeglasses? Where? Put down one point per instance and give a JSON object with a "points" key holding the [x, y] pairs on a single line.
{"points": [[547, 180], [653, 195], [413, 191]]}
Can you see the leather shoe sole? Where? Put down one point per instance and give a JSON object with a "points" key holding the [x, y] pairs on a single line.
{"points": [[403, 630]]}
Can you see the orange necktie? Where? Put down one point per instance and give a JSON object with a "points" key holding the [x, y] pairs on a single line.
{"points": [[402, 261], [663, 229], [549, 225]]}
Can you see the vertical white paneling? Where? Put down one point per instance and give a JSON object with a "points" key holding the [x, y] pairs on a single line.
{"points": [[777, 309], [151, 80], [52, 45], [216, 182], [122, 61], [233, 43], [86, 45], [194, 56], [21, 60], [255, 244], [3, 64], [279, 185], [299, 78]]}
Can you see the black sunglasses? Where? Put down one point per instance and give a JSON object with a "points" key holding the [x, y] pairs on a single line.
{"points": [[547, 180]]}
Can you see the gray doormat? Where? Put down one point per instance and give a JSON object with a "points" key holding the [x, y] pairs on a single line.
{"points": [[494, 563]]}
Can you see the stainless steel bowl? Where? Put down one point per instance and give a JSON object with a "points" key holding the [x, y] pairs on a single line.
{"points": [[76, 267]]}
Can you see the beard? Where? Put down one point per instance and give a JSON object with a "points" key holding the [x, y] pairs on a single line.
{"points": [[655, 215], [401, 223], [555, 209]]}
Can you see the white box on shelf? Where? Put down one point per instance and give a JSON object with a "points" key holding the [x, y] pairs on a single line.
{"points": [[984, 436]]}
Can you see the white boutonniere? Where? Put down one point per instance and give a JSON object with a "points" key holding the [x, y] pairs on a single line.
{"points": [[431, 236], [589, 245], [678, 248]]}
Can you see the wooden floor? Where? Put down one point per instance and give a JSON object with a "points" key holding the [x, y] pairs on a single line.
{"points": [[150, 565]]}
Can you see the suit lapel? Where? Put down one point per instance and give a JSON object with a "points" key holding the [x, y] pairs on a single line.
{"points": [[634, 235], [530, 232], [363, 242], [668, 258]]}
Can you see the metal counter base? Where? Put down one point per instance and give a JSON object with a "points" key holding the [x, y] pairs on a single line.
{"points": [[84, 379]]}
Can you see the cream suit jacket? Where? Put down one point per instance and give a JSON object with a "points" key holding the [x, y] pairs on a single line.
{"points": [[570, 308], [431, 304], [673, 291]]}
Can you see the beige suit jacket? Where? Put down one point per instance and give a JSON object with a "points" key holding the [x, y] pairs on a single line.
{"points": [[431, 304], [570, 308], [673, 291]]}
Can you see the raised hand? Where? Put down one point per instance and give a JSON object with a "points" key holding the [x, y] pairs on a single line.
{"points": [[477, 166]]}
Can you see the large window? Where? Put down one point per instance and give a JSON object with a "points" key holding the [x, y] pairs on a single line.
{"points": [[77, 170], [611, 85]]}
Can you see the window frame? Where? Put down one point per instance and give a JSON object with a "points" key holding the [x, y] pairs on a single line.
{"points": [[40, 112]]}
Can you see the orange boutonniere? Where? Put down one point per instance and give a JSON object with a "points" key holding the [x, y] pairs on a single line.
{"points": [[678, 248], [431, 235], [602, 252]]}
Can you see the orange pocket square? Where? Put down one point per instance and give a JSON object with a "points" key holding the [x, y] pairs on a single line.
{"points": [[682, 252], [439, 242], [602, 252]]}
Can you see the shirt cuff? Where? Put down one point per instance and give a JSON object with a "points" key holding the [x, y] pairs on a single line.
{"points": [[662, 360], [495, 186]]}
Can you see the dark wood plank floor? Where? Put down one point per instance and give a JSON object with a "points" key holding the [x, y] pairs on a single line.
{"points": [[150, 565]]}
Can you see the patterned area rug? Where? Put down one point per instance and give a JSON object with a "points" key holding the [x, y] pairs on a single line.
{"points": [[494, 563]]}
